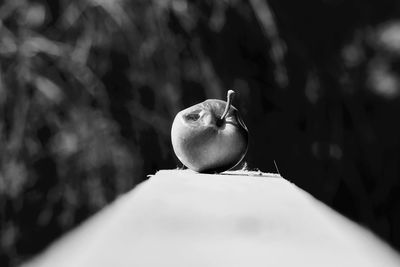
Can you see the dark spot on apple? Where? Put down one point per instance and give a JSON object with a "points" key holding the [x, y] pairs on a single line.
{"points": [[192, 116], [220, 122]]}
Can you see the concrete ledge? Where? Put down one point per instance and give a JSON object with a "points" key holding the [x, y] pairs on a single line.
{"points": [[181, 218]]}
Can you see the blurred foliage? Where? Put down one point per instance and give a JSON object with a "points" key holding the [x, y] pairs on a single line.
{"points": [[89, 88]]}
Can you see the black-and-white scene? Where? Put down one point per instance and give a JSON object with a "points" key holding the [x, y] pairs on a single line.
{"points": [[204, 133]]}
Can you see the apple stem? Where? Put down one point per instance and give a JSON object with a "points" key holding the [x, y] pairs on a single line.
{"points": [[229, 97]]}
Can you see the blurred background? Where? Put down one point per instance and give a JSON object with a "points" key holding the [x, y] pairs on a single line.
{"points": [[89, 89]]}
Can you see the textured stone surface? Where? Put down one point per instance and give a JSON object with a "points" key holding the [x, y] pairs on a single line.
{"points": [[181, 218]]}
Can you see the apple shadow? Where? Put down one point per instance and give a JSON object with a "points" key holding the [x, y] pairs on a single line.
{"points": [[250, 174]]}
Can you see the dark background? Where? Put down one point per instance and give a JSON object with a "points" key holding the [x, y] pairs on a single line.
{"points": [[89, 89]]}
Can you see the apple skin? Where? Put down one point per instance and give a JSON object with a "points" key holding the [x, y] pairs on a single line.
{"points": [[205, 143]]}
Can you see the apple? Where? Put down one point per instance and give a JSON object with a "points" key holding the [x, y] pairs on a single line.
{"points": [[210, 136]]}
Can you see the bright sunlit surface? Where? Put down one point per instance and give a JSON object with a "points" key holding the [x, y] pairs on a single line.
{"points": [[182, 218]]}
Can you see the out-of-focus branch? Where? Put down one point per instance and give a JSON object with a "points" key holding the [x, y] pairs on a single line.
{"points": [[266, 19]]}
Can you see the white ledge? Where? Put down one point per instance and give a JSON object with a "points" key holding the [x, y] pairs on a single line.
{"points": [[181, 218]]}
